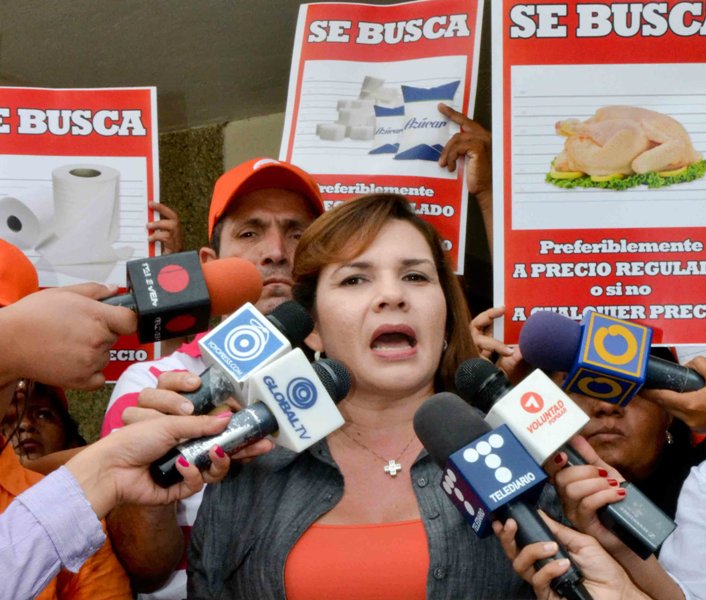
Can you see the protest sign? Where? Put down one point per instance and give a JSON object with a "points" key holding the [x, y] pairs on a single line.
{"points": [[77, 170], [599, 128], [362, 112]]}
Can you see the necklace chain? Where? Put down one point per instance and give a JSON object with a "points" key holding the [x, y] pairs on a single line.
{"points": [[392, 466]]}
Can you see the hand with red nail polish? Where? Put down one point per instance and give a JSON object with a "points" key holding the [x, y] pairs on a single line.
{"points": [[583, 489]]}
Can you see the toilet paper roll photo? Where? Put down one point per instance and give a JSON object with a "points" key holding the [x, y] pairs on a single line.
{"points": [[80, 190], [26, 217]]}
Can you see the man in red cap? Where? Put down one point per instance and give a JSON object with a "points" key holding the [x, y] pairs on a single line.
{"points": [[258, 212]]}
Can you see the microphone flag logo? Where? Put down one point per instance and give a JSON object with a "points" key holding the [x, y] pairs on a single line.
{"points": [[246, 342], [612, 359], [173, 278], [532, 402], [243, 343], [301, 392], [486, 474]]}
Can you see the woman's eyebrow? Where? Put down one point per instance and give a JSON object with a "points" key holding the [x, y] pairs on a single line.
{"points": [[361, 265]]}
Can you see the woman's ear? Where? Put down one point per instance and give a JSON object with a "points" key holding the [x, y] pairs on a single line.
{"points": [[313, 340]]}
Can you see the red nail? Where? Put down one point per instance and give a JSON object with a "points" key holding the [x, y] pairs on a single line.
{"points": [[558, 458], [219, 452], [183, 462], [613, 482], [621, 492], [602, 473], [224, 415]]}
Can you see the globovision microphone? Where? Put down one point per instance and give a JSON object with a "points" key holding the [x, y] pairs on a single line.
{"points": [[292, 400], [243, 343], [543, 418], [606, 358], [175, 295], [488, 475]]}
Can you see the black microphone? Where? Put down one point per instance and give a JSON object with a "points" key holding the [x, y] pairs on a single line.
{"points": [[175, 295], [635, 520], [290, 397], [476, 460], [219, 382], [553, 342]]}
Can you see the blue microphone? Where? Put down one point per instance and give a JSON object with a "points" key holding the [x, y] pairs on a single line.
{"points": [[489, 476], [556, 343]]}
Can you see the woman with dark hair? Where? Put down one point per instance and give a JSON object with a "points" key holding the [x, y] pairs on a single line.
{"points": [[360, 514], [39, 424]]}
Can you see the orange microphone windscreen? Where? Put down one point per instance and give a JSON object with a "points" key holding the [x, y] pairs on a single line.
{"points": [[231, 282]]}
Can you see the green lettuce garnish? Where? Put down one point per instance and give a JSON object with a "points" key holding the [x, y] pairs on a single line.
{"points": [[652, 180]]}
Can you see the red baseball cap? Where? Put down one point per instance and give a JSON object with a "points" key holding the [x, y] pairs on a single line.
{"points": [[259, 174], [18, 277]]}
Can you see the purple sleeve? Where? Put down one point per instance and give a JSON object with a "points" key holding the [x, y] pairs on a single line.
{"points": [[48, 527]]}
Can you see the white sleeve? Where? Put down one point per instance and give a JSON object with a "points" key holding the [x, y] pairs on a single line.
{"points": [[683, 553]]}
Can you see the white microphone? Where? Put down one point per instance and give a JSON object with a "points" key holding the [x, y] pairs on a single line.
{"points": [[543, 418], [537, 411], [290, 400], [243, 343]]}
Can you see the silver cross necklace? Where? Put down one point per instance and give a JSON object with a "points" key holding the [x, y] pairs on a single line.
{"points": [[392, 466]]}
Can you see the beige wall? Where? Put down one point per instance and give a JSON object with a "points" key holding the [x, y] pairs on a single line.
{"points": [[251, 138]]}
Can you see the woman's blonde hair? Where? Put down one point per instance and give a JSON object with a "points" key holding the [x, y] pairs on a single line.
{"points": [[347, 230]]}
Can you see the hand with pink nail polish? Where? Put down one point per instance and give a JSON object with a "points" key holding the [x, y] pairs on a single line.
{"points": [[114, 470]]}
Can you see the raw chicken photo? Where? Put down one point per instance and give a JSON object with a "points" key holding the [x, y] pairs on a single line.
{"points": [[622, 147]]}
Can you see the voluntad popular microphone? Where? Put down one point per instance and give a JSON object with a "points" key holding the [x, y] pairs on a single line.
{"points": [[175, 295], [543, 418]]}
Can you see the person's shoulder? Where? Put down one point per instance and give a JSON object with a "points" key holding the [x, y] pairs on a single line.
{"points": [[14, 477]]}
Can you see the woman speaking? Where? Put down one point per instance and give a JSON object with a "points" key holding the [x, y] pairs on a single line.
{"points": [[360, 514]]}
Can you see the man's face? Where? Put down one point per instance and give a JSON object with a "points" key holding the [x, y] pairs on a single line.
{"points": [[264, 227]]}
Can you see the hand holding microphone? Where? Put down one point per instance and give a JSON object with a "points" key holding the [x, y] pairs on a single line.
{"points": [[175, 295], [603, 577], [544, 419], [292, 398], [584, 489], [489, 476], [66, 336]]}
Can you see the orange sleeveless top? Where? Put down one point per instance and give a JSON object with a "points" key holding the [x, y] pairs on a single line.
{"points": [[386, 561]]}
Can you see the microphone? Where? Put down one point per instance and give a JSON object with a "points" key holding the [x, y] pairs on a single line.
{"points": [[290, 399], [543, 418], [175, 295], [606, 358], [488, 475], [241, 344]]}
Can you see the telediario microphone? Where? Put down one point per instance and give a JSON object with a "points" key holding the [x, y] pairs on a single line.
{"points": [[488, 475]]}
